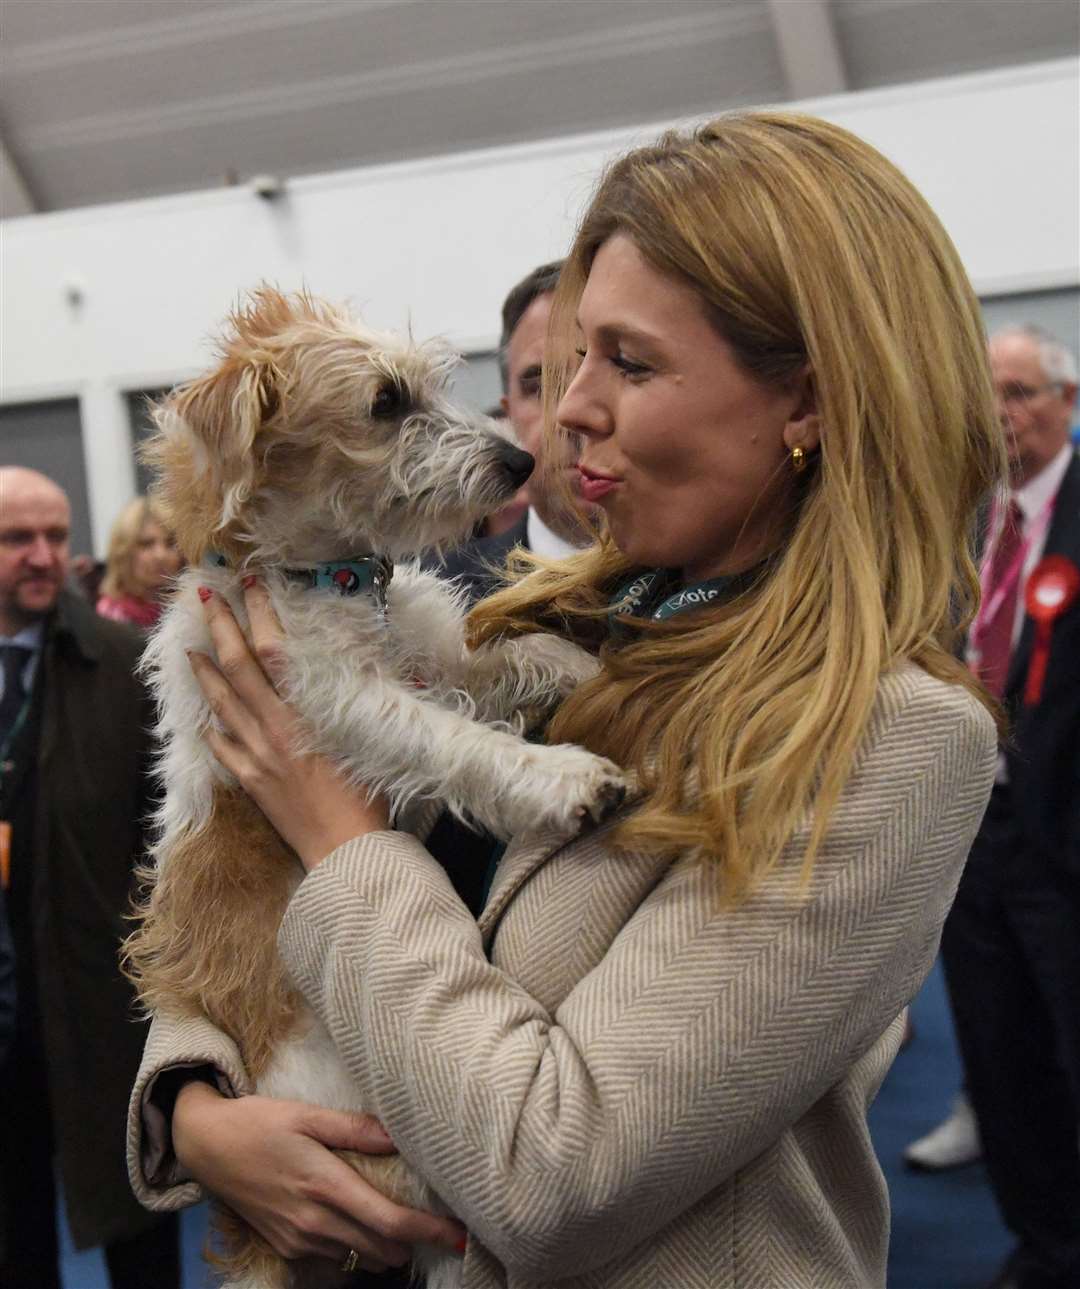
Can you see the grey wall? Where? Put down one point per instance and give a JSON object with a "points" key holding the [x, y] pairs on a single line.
{"points": [[1057, 311], [141, 425], [48, 437], [476, 383]]}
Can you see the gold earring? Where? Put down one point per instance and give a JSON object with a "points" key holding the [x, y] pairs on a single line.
{"points": [[798, 460]]}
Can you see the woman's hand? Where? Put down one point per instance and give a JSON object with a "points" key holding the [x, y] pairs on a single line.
{"points": [[272, 1162], [303, 795]]}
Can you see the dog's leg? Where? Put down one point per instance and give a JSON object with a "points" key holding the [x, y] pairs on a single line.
{"points": [[527, 676], [408, 747], [426, 616]]}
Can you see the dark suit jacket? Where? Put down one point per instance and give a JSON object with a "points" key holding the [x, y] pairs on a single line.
{"points": [[1043, 753], [475, 564], [465, 854], [79, 801]]}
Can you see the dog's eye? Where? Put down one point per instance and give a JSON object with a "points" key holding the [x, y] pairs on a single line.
{"points": [[388, 401]]}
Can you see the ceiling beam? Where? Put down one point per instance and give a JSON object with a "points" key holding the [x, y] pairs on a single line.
{"points": [[15, 198], [809, 51]]}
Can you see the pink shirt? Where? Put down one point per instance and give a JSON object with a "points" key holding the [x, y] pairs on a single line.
{"points": [[129, 608]]}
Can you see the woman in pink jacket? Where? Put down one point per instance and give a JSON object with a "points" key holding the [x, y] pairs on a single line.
{"points": [[141, 563]]}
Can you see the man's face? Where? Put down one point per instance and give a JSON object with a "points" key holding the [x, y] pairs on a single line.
{"points": [[1035, 414], [35, 521], [524, 405], [523, 402]]}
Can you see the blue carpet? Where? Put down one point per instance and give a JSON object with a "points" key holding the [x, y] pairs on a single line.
{"points": [[87, 1270], [946, 1230]]}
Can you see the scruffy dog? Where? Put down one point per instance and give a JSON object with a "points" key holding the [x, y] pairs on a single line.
{"points": [[316, 454]]}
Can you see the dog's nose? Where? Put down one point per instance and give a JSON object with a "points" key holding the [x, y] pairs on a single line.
{"points": [[517, 464]]}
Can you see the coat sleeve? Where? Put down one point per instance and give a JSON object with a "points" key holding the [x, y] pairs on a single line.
{"points": [[559, 1135], [178, 1047]]}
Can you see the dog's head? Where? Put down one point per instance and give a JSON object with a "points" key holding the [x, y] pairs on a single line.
{"points": [[315, 438]]}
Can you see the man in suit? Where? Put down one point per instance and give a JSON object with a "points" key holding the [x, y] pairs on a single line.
{"points": [[74, 744], [468, 856], [525, 315], [1011, 946]]}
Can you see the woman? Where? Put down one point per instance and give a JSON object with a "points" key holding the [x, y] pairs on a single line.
{"points": [[141, 562], [652, 1064]]}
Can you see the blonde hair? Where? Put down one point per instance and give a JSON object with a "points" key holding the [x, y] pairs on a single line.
{"points": [[119, 579], [807, 247]]}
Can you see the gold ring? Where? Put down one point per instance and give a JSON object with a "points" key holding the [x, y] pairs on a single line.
{"points": [[352, 1261]]}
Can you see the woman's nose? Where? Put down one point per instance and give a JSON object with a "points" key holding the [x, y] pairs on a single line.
{"points": [[581, 407]]}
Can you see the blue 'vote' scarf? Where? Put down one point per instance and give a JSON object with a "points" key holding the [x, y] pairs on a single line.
{"points": [[659, 595]]}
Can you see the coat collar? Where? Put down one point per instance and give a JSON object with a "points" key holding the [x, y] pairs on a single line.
{"points": [[74, 628], [72, 632]]}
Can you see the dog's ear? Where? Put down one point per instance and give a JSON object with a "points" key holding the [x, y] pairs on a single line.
{"points": [[206, 449]]}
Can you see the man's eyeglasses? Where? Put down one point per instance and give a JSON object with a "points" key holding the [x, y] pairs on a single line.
{"points": [[1023, 394]]}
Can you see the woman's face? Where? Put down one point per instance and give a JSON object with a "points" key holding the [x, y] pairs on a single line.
{"points": [[687, 455], [154, 560]]}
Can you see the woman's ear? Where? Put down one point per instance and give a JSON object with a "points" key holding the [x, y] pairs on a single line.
{"points": [[803, 428]]}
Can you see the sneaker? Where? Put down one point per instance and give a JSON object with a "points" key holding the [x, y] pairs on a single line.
{"points": [[954, 1143]]}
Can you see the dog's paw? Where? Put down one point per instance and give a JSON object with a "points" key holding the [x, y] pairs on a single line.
{"points": [[568, 785], [609, 797]]}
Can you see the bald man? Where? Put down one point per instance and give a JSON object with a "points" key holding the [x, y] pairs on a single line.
{"points": [[74, 731]]}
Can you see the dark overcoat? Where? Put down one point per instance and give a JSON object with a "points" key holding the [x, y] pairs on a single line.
{"points": [[1043, 752], [89, 817]]}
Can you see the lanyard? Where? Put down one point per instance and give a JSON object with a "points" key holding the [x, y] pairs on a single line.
{"points": [[13, 734], [657, 594], [990, 608]]}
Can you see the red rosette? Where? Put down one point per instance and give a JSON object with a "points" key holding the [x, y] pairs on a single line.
{"points": [[1051, 589]]}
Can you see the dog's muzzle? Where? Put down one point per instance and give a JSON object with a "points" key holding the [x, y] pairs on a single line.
{"points": [[517, 464]]}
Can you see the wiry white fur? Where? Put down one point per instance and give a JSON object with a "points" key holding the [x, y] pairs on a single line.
{"points": [[395, 698], [398, 701]]}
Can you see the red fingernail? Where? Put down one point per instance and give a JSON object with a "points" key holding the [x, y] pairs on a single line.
{"points": [[248, 581], [205, 593], [461, 1245]]}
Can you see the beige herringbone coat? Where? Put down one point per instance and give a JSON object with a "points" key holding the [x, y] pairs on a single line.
{"points": [[640, 1090]]}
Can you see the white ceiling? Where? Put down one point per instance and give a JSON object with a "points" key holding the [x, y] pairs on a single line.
{"points": [[103, 100]]}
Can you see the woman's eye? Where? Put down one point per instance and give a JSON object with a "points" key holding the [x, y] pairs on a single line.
{"points": [[628, 367], [387, 402]]}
